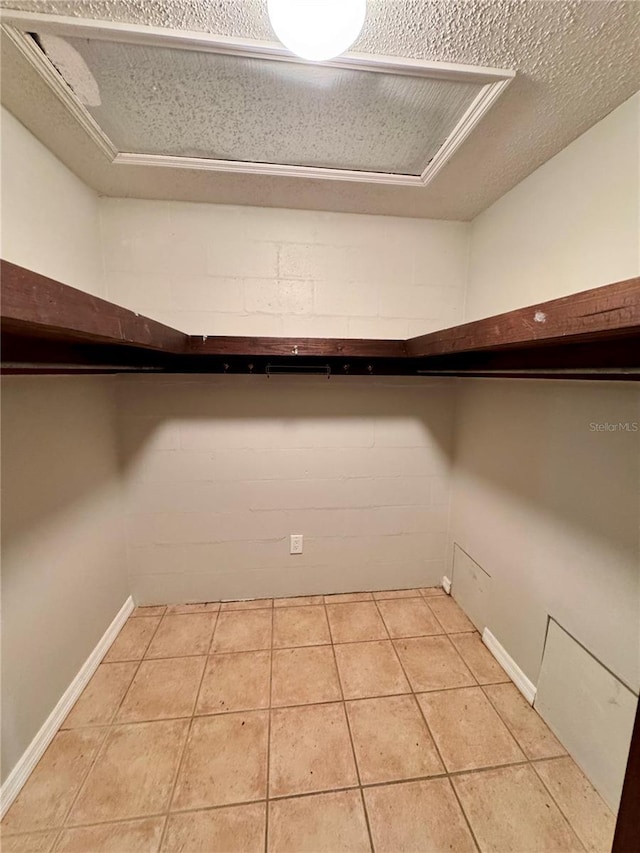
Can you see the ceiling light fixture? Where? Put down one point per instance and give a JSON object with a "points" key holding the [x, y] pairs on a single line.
{"points": [[317, 29]]}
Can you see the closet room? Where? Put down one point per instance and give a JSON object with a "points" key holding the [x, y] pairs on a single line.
{"points": [[320, 426]]}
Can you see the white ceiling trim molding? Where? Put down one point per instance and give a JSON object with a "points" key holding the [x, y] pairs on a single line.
{"points": [[17, 25], [246, 168]]}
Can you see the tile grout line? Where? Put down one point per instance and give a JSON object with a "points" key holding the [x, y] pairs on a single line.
{"points": [[528, 760], [213, 634], [467, 820], [346, 714], [139, 662], [305, 794], [109, 726], [269, 712], [558, 806], [424, 717], [512, 732], [109, 729], [208, 714], [185, 744]]}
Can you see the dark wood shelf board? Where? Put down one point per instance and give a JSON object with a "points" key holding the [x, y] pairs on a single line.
{"points": [[296, 347], [39, 307], [50, 327], [611, 311]]}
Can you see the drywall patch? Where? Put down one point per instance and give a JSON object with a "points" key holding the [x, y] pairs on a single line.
{"points": [[471, 585], [589, 708]]}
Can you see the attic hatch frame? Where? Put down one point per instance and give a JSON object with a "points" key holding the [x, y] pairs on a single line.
{"points": [[18, 26]]}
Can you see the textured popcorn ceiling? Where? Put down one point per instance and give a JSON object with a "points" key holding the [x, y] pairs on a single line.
{"points": [[576, 61]]}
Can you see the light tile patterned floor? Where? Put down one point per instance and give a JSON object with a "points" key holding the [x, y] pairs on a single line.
{"points": [[320, 724]]}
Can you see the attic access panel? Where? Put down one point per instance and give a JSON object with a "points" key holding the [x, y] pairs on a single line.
{"points": [[167, 98]]}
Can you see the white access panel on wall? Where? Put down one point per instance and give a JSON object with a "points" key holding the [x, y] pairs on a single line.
{"points": [[472, 588], [589, 708]]}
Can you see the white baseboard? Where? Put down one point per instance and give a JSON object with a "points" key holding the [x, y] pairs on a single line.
{"points": [[524, 685], [34, 752]]}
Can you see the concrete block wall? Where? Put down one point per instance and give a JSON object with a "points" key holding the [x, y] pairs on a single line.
{"points": [[219, 471], [223, 270]]}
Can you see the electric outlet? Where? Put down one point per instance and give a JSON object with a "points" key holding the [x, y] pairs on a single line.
{"points": [[295, 543]]}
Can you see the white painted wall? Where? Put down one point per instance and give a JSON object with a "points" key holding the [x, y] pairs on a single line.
{"points": [[63, 565], [50, 218], [550, 508], [571, 225], [545, 505], [221, 470], [223, 270]]}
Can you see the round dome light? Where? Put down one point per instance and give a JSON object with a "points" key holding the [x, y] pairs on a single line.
{"points": [[317, 29]]}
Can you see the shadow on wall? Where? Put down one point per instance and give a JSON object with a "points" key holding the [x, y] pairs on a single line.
{"points": [[547, 501], [59, 449], [285, 413], [567, 452], [63, 563], [220, 470]]}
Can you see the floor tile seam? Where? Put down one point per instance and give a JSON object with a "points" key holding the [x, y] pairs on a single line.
{"points": [[26, 833], [435, 616], [175, 657], [466, 817], [558, 806], [505, 722], [264, 708], [268, 767], [402, 667], [213, 633], [350, 733], [447, 774], [411, 636], [382, 639], [250, 609], [109, 727], [361, 786], [415, 699], [56, 841], [183, 751], [301, 794], [451, 775], [112, 722], [86, 775], [416, 691], [159, 815], [527, 763], [273, 605], [395, 651], [166, 615], [512, 732]]}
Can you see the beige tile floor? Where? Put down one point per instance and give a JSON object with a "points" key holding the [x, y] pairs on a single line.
{"points": [[322, 724]]}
